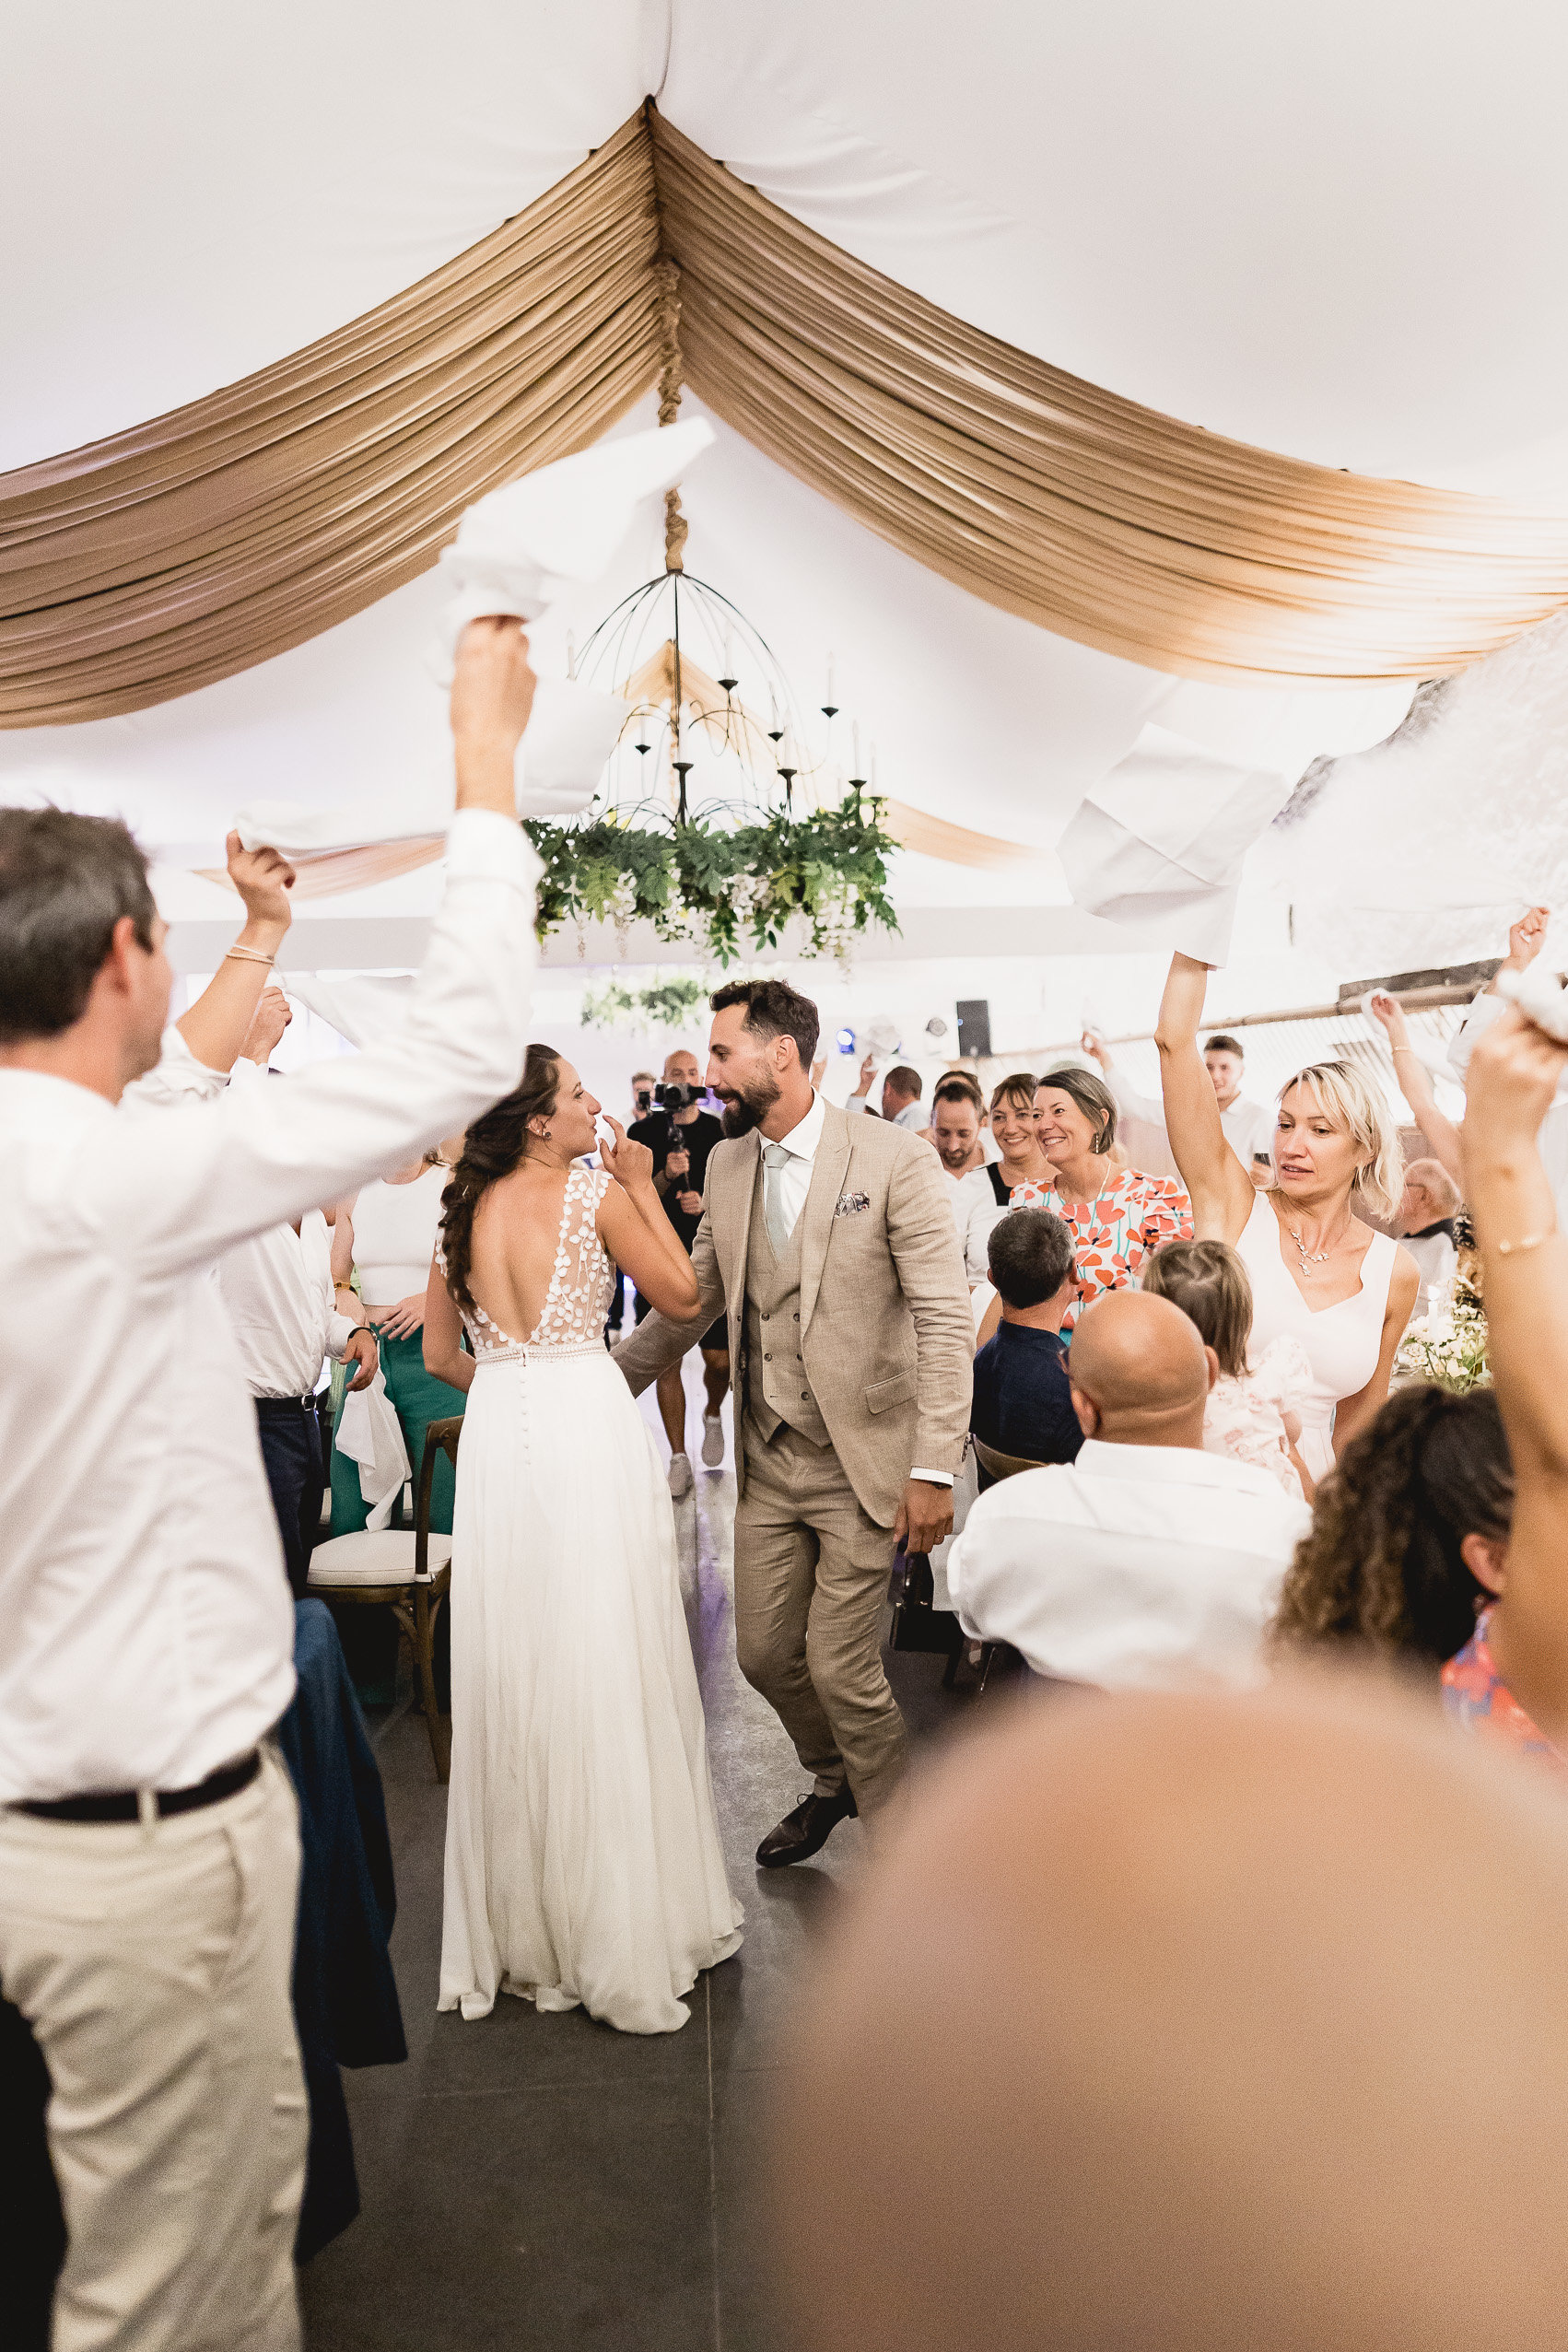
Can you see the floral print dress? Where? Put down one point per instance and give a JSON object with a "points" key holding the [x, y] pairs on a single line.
{"points": [[1133, 1215], [1475, 1694]]}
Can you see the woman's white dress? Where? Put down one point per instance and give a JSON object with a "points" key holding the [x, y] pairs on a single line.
{"points": [[582, 1861], [1342, 1342]]}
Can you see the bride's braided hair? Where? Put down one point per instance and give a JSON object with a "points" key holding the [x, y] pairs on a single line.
{"points": [[493, 1146], [1380, 1564]]}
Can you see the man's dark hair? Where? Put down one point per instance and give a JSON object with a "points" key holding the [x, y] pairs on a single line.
{"points": [[959, 1087], [1031, 1255], [1220, 1044], [773, 1010], [65, 881], [904, 1081]]}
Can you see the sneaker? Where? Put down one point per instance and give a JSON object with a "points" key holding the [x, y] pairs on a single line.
{"points": [[680, 1475], [712, 1441]]}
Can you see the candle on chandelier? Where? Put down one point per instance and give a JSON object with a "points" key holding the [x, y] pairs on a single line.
{"points": [[870, 772]]}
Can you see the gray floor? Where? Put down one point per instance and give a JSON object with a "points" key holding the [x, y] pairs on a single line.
{"points": [[534, 2180]]}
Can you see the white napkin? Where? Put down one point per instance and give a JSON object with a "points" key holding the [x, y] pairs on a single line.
{"points": [[369, 1433], [1161, 841], [557, 528], [1540, 994], [365, 1009]]}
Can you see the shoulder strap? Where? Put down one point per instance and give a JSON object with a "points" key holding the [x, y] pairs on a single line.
{"points": [[999, 1183]]}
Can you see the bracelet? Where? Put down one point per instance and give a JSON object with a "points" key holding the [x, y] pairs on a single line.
{"points": [[1402, 1049], [249, 955], [1531, 1241]]}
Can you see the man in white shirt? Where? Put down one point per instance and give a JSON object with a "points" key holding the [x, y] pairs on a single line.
{"points": [[958, 1110], [901, 1090], [1248, 1127], [1426, 1217], [278, 1290], [1147, 1560], [149, 1847]]}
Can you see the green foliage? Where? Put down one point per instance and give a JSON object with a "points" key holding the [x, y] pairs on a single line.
{"points": [[670, 1003], [729, 892]]}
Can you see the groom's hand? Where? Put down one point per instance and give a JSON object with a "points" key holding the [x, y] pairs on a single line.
{"points": [[925, 1516]]}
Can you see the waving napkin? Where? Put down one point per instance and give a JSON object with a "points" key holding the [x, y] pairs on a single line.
{"points": [[1161, 843], [557, 528], [369, 1433]]}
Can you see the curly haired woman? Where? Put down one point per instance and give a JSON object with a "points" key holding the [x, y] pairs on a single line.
{"points": [[1409, 1538]]}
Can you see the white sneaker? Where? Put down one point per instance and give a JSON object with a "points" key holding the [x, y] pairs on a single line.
{"points": [[680, 1475], [712, 1441]]}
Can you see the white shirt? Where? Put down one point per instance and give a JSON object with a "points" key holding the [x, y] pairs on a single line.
{"points": [[913, 1116], [147, 1629], [1248, 1127], [1436, 1262], [1132, 1567], [795, 1182], [975, 1210], [278, 1289]]}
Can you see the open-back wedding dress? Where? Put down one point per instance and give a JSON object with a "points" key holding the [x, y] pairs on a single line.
{"points": [[582, 1859]]}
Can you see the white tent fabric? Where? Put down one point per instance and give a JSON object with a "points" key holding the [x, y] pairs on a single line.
{"points": [[1337, 236]]}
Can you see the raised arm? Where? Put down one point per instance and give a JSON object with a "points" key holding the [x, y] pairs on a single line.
{"points": [[638, 1235], [1514, 1072], [660, 1341], [1415, 1084], [1218, 1186], [177, 1191], [217, 1026], [1129, 1101]]}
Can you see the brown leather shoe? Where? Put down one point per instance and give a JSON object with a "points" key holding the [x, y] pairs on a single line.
{"points": [[805, 1830]]}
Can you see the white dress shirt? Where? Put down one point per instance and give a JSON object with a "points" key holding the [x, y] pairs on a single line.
{"points": [[282, 1308], [914, 1116], [1132, 1567], [975, 1210], [795, 1182], [1248, 1127], [148, 1624]]}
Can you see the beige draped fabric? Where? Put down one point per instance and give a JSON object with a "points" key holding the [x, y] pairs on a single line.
{"points": [[192, 546], [198, 544], [1098, 520]]}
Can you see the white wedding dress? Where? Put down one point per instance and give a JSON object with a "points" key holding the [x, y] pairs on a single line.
{"points": [[582, 1860]]}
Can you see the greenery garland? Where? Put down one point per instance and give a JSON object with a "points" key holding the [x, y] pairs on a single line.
{"points": [[730, 892], [671, 1003]]}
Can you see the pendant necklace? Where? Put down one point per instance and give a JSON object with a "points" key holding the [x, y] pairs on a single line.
{"points": [[1309, 1258]]}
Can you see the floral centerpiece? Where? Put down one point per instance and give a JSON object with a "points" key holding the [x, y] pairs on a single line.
{"points": [[1449, 1349]]}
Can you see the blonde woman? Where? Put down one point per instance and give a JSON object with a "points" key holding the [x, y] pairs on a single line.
{"points": [[1316, 1269]]}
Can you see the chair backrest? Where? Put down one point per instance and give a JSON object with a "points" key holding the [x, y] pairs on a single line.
{"points": [[440, 1437], [994, 1465]]}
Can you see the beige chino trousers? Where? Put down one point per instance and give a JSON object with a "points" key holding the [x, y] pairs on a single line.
{"points": [[154, 1967], [810, 1575]]}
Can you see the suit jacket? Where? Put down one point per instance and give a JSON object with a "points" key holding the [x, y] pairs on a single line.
{"points": [[887, 1330]]}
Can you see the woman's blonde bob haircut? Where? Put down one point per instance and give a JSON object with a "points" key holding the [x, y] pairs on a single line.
{"points": [[1351, 1101]]}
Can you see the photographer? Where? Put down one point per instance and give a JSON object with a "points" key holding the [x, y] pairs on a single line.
{"points": [[680, 1135]]}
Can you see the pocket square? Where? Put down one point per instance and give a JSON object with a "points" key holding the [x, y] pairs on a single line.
{"points": [[851, 1203]]}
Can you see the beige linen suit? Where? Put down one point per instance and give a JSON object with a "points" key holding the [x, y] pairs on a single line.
{"points": [[832, 1412]]}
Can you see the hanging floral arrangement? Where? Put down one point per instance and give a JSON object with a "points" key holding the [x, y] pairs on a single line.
{"points": [[730, 891], [672, 1002]]}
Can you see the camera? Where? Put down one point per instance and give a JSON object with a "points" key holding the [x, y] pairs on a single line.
{"points": [[677, 1097]]}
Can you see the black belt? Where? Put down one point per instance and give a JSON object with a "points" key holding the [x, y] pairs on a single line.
{"points": [[277, 1408], [125, 1804]]}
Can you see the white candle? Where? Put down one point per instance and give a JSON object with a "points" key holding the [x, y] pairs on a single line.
{"points": [[870, 772]]}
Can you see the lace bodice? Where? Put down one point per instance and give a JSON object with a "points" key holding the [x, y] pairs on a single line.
{"points": [[581, 1282]]}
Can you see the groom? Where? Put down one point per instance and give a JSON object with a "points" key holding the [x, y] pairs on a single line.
{"points": [[827, 1244]]}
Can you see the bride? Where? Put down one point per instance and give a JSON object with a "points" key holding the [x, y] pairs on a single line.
{"points": [[583, 1859]]}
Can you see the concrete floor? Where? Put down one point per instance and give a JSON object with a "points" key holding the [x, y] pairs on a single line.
{"points": [[533, 2181]]}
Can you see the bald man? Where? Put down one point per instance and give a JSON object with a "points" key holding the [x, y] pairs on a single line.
{"points": [[1264, 2046], [1147, 1560]]}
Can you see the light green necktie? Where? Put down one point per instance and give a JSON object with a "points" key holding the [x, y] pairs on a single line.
{"points": [[775, 1160]]}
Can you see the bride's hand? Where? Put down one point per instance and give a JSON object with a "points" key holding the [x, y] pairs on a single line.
{"points": [[630, 1164]]}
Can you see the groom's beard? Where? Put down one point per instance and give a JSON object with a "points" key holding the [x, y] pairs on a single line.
{"points": [[747, 1106]]}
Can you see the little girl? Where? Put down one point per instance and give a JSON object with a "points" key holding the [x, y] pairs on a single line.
{"points": [[1251, 1412]]}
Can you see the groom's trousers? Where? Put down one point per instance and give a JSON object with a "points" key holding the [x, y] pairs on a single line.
{"points": [[810, 1575]]}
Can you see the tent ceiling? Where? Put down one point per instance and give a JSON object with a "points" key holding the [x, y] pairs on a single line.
{"points": [[1337, 235]]}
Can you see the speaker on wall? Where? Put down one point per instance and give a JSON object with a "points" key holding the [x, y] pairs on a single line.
{"points": [[975, 1028]]}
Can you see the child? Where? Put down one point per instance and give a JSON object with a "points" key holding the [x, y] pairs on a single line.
{"points": [[1250, 1411]]}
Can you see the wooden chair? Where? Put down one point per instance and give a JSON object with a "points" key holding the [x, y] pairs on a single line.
{"points": [[995, 1465], [408, 1572]]}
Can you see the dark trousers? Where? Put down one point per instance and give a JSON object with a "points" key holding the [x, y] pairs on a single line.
{"points": [[291, 1450]]}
